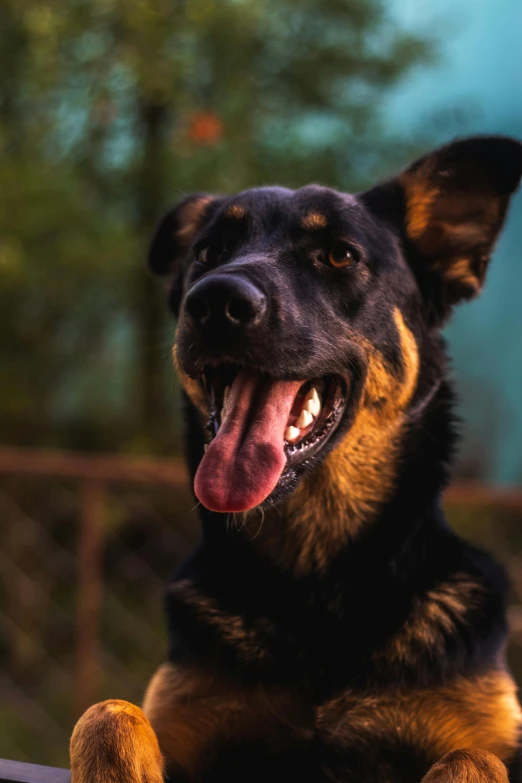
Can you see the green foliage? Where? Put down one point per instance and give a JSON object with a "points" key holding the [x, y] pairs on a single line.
{"points": [[110, 110]]}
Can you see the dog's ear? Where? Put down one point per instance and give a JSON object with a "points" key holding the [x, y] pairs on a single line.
{"points": [[176, 232], [451, 205], [174, 236]]}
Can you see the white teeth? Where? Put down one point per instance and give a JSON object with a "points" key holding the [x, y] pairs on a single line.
{"points": [[226, 393], [223, 414], [311, 408], [205, 447], [312, 403], [304, 420], [292, 434], [308, 406]]}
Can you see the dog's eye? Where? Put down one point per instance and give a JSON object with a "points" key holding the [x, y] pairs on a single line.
{"points": [[208, 255], [341, 256]]}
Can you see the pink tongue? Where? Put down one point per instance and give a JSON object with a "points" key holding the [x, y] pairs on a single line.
{"points": [[245, 460]]}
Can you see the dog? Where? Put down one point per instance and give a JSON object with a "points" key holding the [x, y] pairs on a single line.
{"points": [[330, 626]]}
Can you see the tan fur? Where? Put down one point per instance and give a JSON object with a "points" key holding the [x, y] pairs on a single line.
{"points": [[461, 271], [191, 712], [347, 488], [113, 742], [193, 389], [468, 766], [236, 211], [433, 617], [314, 221], [190, 218], [194, 710], [440, 219], [421, 196], [481, 713]]}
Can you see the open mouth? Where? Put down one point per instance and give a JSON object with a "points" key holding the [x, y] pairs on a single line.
{"points": [[259, 430]]}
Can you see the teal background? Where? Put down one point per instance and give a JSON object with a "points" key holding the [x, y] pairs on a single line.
{"points": [[475, 87]]}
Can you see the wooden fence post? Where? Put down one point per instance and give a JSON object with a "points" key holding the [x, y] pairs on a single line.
{"points": [[90, 554]]}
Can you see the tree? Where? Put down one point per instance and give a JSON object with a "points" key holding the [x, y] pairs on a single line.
{"points": [[112, 109]]}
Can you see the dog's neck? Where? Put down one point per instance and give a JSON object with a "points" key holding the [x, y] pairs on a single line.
{"points": [[392, 479]]}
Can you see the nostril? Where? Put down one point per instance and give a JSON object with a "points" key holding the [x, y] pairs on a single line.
{"points": [[239, 310], [198, 309], [222, 300]]}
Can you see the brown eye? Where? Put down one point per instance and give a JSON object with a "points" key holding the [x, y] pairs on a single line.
{"points": [[209, 254], [342, 256]]}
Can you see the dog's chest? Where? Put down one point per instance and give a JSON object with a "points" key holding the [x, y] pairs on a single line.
{"points": [[388, 732], [394, 737], [315, 644]]}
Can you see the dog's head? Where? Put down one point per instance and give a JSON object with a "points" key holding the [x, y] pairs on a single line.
{"points": [[308, 320]]}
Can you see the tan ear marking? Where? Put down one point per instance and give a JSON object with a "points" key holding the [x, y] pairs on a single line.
{"points": [[455, 203], [190, 217], [461, 272], [420, 198]]}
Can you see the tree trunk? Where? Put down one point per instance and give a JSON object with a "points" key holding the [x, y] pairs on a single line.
{"points": [[150, 305]]}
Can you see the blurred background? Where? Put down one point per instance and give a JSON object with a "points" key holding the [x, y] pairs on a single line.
{"points": [[110, 111]]}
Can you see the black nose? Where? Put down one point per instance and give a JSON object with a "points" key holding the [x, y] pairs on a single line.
{"points": [[225, 300]]}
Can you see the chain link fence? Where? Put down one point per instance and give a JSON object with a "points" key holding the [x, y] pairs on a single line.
{"points": [[88, 544]]}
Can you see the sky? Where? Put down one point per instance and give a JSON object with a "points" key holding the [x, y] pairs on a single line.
{"points": [[475, 87]]}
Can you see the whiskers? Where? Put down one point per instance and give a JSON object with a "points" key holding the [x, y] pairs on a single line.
{"points": [[262, 515], [239, 522]]}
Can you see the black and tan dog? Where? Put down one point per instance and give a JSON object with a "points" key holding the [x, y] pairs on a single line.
{"points": [[330, 627]]}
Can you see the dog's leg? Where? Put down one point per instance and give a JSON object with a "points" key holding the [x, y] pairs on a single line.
{"points": [[113, 742], [467, 766]]}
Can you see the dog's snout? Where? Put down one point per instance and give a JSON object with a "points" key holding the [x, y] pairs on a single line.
{"points": [[225, 300]]}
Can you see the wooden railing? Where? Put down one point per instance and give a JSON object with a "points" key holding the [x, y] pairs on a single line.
{"points": [[16, 772]]}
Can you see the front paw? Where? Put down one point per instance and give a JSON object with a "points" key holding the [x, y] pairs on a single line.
{"points": [[113, 742], [467, 766]]}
